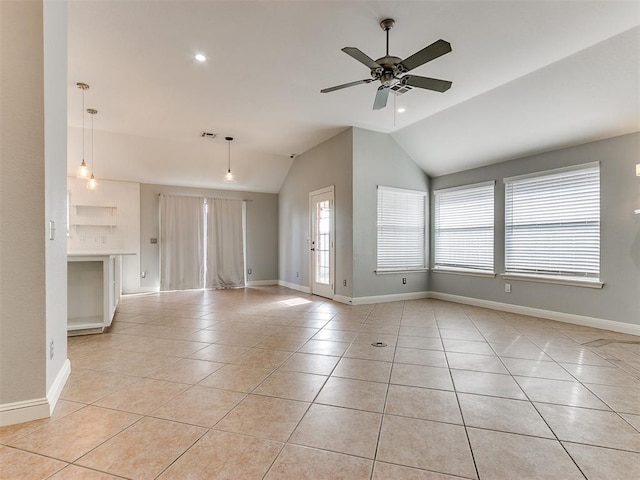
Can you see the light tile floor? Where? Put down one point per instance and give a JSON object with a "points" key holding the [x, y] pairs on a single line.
{"points": [[270, 383]]}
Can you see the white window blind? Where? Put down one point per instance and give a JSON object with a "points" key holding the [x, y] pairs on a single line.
{"points": [[401, 229], [552, 223], [464, 229]]}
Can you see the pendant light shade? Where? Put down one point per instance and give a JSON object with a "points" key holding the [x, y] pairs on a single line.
{"points": [[229, 178], [83, 170], [92, 184]]}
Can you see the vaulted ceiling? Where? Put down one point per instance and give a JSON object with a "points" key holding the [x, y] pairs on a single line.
{"points": [[528, 76]]}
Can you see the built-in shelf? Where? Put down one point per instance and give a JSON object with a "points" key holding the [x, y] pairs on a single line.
{"points": [[93, 216], [93, 292]]}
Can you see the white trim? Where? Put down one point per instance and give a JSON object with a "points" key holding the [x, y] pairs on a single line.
{"points": [[572, 281], [620, 327], [404, 190], [294, 286], [58, 384], [552, 171], [465, 187], [143, 291], [388, 271], [261, 283], [332, 235], [463, 271], [394, 297], [24, 411], [36, 408], [342, 299]]}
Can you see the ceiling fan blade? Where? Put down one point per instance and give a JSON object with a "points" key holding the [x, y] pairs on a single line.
{"points": [[381, 97], [426, 83], [361, 57], [433, 51], [345, 85]]}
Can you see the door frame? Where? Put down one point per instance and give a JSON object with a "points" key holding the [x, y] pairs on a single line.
{"points": [[332, 254]]}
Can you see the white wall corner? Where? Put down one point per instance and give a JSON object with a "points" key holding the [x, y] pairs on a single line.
{"points": [[620, 327], [58, 385], [294, 286]]}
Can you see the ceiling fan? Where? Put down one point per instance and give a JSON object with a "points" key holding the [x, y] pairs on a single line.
{"points": [[389, 70]]}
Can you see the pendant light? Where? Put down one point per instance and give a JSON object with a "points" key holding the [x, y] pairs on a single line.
{"points": [[229, 178], [83, 170], [92, 184]]}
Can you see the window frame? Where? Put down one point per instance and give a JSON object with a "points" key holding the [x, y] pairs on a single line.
{"points": [[399, 268], [584, 278], [473, 270]]}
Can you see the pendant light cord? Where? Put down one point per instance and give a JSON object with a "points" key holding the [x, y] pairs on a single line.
{"points": [[228, 155], [82, 123], [92, 143]]}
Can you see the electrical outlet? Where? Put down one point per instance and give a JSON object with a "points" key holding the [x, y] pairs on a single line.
{"points": [[249, 271], [507, 287], [153, 241], [103, 239], [344, 283], [51, 349], [404, 280], [143, 274]]}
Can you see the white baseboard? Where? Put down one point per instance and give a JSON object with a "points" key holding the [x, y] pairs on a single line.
{"points": [[261, 283], [342, 299], [294, 286], [394, 297], [36, 408], [24, 411], [620, 327], [58, 384], [142, 291]]}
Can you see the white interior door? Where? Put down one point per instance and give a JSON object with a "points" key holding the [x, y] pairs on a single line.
{"points": [[321, 242]]}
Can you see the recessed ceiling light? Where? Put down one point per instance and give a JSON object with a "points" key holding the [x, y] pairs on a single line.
{"points": [[200, 57], [401, 110]]}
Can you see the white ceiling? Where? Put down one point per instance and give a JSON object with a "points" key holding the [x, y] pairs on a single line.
{"points": [[528, 76]]}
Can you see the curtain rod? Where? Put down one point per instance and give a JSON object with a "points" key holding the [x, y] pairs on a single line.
{"points": [[200, 196]]}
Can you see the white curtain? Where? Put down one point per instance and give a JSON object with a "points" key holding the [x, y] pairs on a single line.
{"points": [[225, 250], [181, 242]]}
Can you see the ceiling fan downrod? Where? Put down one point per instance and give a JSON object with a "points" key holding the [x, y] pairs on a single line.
{"points": [[386, 25]]}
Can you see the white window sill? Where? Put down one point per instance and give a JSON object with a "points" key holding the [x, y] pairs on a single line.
{"points": [[572, 281], [463, 271], [400, 270]]}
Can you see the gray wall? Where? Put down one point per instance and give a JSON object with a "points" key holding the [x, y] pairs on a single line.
{"points": [[262, 231], [324, 165], [379, 160], [619, 300], [22, 204]]}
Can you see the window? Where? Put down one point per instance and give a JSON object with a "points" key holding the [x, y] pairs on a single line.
{"points": [[552, 223], [401, 229], [463, 234]]}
